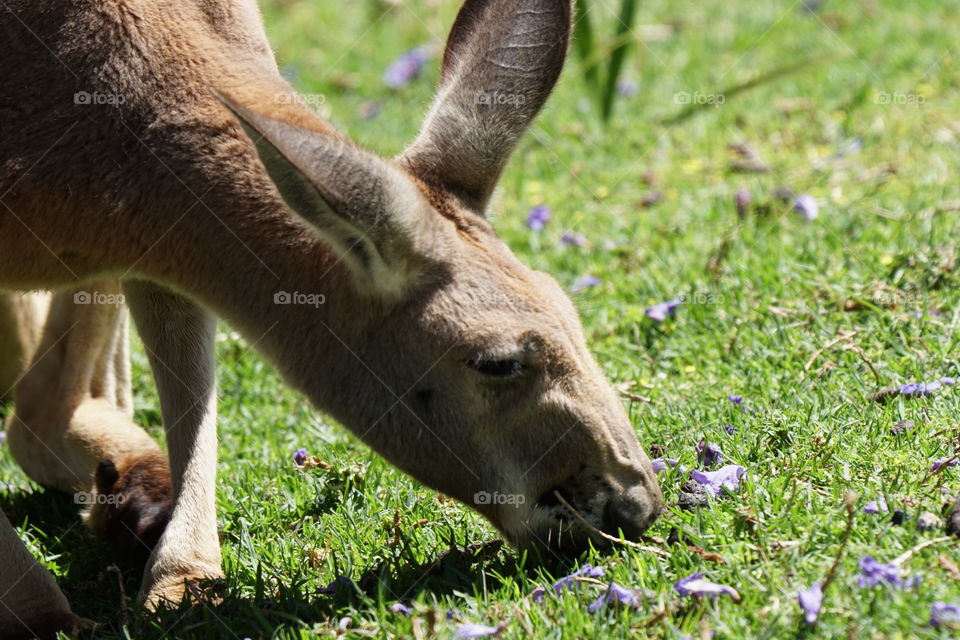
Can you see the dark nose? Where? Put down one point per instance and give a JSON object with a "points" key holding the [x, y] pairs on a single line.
{"points": [[629, 515]]}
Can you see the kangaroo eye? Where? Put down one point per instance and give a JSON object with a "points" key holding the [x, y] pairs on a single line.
{"points": [[496, 368]]}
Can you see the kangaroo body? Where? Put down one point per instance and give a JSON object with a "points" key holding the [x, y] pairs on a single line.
{"points": [[152, 158]]}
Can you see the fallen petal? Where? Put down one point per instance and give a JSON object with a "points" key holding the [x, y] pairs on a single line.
{"points": [[807, 206], [615, 594], [876, 506], [661, 464], [811, 601], [299, 456], [945, 614], [571, 581], [585, 282], [661, 311], [471, 630], [727, 477], [696, 585]]}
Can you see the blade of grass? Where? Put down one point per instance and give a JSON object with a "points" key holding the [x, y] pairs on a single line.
{"points": [[628, 12], [584, 42]]}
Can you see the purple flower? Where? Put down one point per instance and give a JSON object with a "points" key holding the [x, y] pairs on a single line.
{"points": [[626, 88], [472, 630], [615, 594], [876, 506], [299, 456], [730, 429], [873, 573], [708, 453], [808, 206], [336, 584], [573, 239], [811, 601], [942, 462], [399, 607], [369, 110], [585, 282], [571, 582], [742, 198], [917, 389], [3, 437], [696, 585], [661, 464], [406, 68], [726, 477], [659, 312], [735, 399], [945, 614], [539, 216], [537, 595]]}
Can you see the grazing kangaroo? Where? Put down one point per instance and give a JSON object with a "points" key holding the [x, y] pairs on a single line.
{"points": [[154, 143]]}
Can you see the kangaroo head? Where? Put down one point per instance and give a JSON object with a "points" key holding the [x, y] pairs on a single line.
{"points": [[498, 402]]}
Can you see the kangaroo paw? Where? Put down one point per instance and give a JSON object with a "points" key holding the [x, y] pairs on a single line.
{"points": [[131, 506]]}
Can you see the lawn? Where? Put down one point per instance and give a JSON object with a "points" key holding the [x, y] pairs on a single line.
{"points": [[854, 103]]}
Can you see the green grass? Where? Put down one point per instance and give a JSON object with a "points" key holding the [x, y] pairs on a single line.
{"points": [[753, 325]]}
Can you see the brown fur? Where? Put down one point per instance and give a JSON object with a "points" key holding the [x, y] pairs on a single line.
{"points": [[131, 506], [166, 192]]}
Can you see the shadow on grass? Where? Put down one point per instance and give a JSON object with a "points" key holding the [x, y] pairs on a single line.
{"points": [[271, 608]]}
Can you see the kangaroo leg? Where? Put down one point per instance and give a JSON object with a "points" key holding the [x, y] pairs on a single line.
{"points": [[21, 321], [72, 418], [31, 604], [179, 338]]}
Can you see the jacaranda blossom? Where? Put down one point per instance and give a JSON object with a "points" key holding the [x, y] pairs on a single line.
{"points": [[472, 630], [735, 399], [807, 206], [916, 389], [399, 607], [709, 453], [742, 199], [615, 594], [571, 581], [811, 601], [876, 506], [661, 464], [726, 477], [299, 456], [937, 464], [406, 68], [538, 217], [626, 88], [662, 310], [697, 585], [873, 573], [585, 282], [945, 614], [338, 583], [573, 239]]}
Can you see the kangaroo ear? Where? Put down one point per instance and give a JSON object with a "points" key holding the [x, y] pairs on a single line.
{"points": [[502, 60], [365, 207]]}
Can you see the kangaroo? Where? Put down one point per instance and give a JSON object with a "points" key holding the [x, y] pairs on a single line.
{"points": [[152, 158]]}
